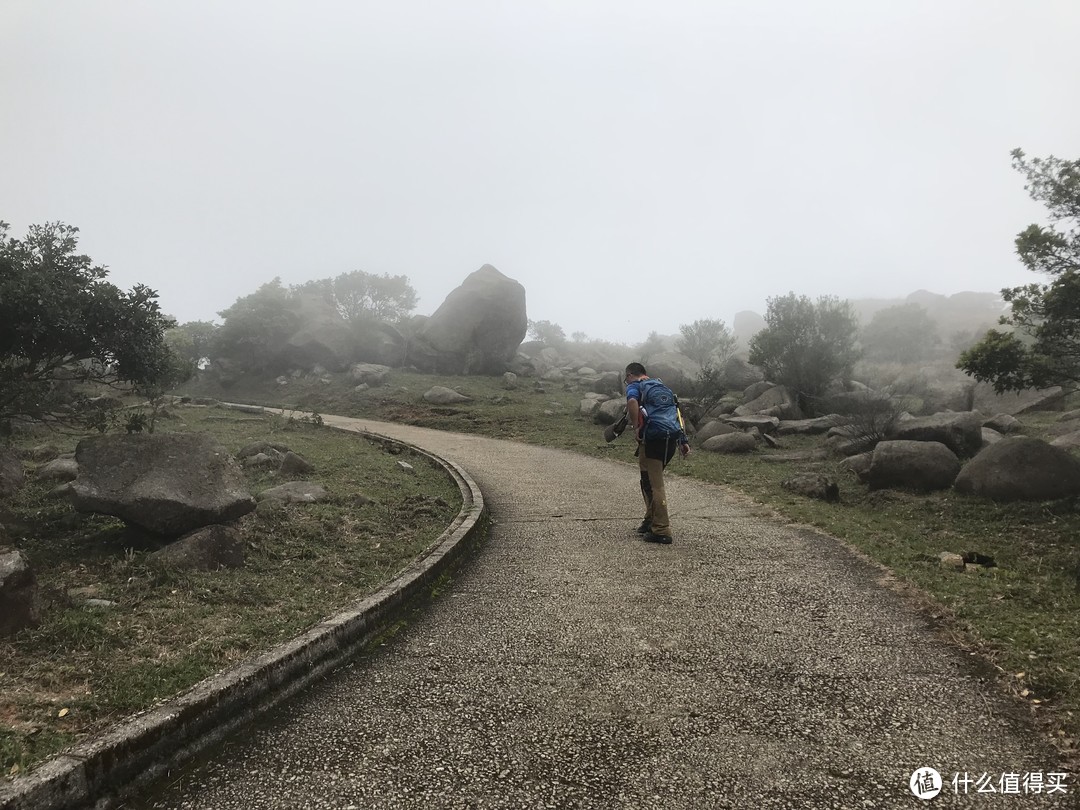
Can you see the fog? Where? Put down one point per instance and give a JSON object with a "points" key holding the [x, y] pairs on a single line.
{"points": [[635, 165]]}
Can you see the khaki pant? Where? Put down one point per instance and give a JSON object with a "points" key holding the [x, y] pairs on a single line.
{"points": [[652, 458]]}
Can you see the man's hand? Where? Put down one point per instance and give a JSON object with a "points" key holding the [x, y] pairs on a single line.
{"points": [[684, 449]]}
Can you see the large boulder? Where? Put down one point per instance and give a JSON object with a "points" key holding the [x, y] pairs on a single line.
{"points": [[1021, 469], [17, 589], [902, 464], [323, 338], [476, 330], [960, 432], [766, 424], [777, 401], [371, 374], [714, 427], [737, 375], [1069, 441], [379, 343], [168, 483], [59, 469], [731, 443]]}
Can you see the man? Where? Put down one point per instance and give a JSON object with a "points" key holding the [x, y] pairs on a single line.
{"points": [[653, 411]]}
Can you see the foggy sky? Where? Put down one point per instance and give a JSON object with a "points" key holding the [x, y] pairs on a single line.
{"points": [[635, 165]]}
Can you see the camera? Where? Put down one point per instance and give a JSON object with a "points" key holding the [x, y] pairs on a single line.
{"points": [[612, 432]]}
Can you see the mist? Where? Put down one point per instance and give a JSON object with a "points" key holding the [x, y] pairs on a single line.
{"points": [[634, 167]]}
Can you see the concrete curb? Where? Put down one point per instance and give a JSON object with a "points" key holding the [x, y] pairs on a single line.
{"points": [[100, 772]]}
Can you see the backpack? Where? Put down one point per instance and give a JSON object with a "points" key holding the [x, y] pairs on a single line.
{"points": [[662, 417]]}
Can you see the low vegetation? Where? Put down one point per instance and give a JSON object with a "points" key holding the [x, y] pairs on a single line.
{"points": [[157, 631]]}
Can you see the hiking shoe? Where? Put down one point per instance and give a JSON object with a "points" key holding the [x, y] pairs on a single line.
{"points": [[657, 538], [645, 527]]}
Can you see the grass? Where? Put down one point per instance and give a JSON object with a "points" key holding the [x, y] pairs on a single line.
{"points": [[82, 668], [1023, 615]]}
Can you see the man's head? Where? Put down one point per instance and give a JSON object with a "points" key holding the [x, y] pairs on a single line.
{"points": [[634, 371]]}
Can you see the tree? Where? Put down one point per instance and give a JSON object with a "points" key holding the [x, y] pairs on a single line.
{"points": [[806, 345], [62, 324], [1043, 347], [903, 333], [194, 341], [651, 346], [359, 295], [257, 328], [708, 342], [547, 332]]}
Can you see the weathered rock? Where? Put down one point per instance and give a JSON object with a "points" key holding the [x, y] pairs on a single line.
{"points": [[1069, 416], [989, 436], [1004, 423], [777, 401], [1070, 441], [509, 380], [1052, 399], [960, 432], [766, 424], [169, 483], [406, 468], [756, 389], [737, 375], [952, 561], [918, 465], [264, 461], [205, 549], [59, 469], [476, 330], [714, 427], [17, 592], [371, 374], [12, 475], [610, 411], [808, 427], [608, 382], [730, 443], [271, 449], [1021, 469], [813, 485], [295, 492], [858, 464], [587, 407], [295, 464], [441, 395]]}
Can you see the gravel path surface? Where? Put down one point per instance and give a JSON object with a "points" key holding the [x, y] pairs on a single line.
{"points": [[748, 665]]}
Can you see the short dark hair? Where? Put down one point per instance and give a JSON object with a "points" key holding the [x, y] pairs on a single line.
{"points": [[636, 369]]}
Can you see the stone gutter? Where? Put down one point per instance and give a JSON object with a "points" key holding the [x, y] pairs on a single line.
{"points": [[100, 772]]}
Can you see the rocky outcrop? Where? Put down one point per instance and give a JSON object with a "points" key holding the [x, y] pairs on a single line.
{"points": [[1021, 469], [1004, 423], [960, 432], [714, 427], [917, 465], [476, 330], [808, 427], [766, 424], [1070, 441], [168, 483]]}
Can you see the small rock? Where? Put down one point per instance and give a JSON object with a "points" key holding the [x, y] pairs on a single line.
{"points": [[294, 464], [950, 560], [407, 467], [100, 604]]}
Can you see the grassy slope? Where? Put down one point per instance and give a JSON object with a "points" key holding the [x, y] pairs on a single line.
{"points": [[83, 668]]}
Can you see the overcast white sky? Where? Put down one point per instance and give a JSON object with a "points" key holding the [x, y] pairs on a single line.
{"points": [[635, 165]]}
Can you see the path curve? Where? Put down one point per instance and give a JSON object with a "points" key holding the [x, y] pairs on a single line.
{"points": [[751, 664]]}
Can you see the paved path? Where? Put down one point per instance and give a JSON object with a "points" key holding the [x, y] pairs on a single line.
{"points": [[748, 665]]}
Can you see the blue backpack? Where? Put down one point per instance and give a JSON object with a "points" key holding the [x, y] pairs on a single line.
{"points": [[662, 418]]}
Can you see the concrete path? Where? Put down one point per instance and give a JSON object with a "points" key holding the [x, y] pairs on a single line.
{"points": [[748, 665]]}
